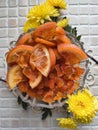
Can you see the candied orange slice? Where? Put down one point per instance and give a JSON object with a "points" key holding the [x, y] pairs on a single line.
{"points": [[15, 76], [58, 56], [23, 60], [77, 73], [58, 96], [48, 43], [40, 58], [45, 31], [52, 58], [34, 76], [23, 86], [24, 39], [60, 31], [73, 88], [71, 50], [31, 93], [48, 97], [51, 83], [62, 39], [14, 53]]}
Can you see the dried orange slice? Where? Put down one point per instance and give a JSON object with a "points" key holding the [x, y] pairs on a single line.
{"points": [[40, 58], [45, 42], [62, 39], [71, 50], [48, 97], [45, 31], [34, 76], [23, 60], [60, 31], [15, 76], [23, 86], [14, 53], [25, 40], [52, 58]]}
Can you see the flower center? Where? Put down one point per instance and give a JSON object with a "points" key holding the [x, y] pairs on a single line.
{"points": [[80, 103]]}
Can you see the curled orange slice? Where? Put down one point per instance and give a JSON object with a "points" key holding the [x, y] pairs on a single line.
{"points": [[45, 31], [52, 58], [45, 42], [14, 53], [72, 51], [15, 76], [23, 39]]}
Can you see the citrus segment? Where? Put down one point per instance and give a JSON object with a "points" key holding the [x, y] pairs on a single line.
{"points": [[71, 50], [15, 76], [40, 58], [15, 52]]}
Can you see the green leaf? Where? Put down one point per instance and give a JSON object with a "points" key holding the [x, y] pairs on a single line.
{"points": [[68, 28], [46, 112], [24, 105], [74, 31], [19, 100], [78, 37], [44, 115], [24, 94]]}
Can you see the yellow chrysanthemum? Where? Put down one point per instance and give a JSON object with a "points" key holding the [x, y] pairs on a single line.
{"points": [[83, 106], [30, 24], [42, 13], [67, 123], [63, 23], [58, 3]]}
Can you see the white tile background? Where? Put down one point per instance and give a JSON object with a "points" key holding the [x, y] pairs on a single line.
{"points": [[84, 15]]}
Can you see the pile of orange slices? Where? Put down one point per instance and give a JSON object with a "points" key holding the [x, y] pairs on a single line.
{"points": [[45, 64]]}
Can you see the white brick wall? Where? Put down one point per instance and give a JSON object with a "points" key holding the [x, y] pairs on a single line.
{"points": [[84, 15]]}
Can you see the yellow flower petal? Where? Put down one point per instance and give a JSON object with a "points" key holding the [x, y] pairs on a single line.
{"points": [[42, 12], [30, 24], [63, 23], [58, 3], [67, 123], [83, 106]]}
